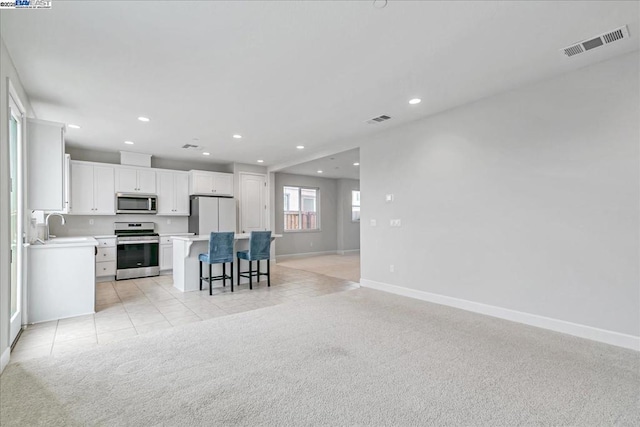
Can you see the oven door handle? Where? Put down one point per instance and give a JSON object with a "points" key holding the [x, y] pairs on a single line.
{"points": [[137, 242]]}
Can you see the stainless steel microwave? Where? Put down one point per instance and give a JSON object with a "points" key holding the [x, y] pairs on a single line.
{"points": [[136, 203]]}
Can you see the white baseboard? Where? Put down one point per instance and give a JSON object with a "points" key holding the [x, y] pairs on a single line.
{"points": [[286, 257], [348, 251], [4, 359], [575, 329]]}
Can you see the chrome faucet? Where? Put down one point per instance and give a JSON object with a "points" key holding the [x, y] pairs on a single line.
{"points": [[46, 223]]}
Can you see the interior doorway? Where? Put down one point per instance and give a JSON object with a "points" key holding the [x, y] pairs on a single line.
{"points": [[333, 248]]}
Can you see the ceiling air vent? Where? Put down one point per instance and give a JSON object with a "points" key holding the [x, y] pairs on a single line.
{"points": [[378, 119], [189, 146], [602, 39]]}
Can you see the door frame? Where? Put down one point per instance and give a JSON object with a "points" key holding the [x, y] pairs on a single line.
{"points": [[19, 318], [266, 198]]}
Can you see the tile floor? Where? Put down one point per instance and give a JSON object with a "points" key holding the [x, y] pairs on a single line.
{"points": [[341, 266], [128, 308]]}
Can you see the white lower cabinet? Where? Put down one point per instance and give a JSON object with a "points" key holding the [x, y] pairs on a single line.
{"points": [[166, 251], [166, 257], [106, 257]]}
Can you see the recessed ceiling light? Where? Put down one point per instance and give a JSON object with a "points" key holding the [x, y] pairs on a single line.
{"points": [[260, 161], [300, 147], [236, 136], [356, 164], [380, 4], [206, 154], [74, 126], [415, 101], [319, 171], [143, 119], [129, 142]]}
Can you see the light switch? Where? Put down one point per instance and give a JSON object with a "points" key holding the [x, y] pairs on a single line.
{"points": [[373, 222], [388, 198], [395, 223]]}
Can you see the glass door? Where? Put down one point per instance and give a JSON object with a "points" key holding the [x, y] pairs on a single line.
{"points": [[15, 203]]}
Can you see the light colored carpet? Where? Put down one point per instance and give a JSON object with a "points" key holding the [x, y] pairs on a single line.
{"points": [[359, 357], [340, 266]]}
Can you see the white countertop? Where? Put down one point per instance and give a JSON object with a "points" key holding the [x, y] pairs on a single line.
{"points": [[205, 237], [175, 234], [110, 236], [65, 242]]}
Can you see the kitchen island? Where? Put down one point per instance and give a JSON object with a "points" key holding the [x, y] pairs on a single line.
{"points": [[61, 279], [185, 260]]}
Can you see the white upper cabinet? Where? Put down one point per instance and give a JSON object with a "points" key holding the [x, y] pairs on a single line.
{"points": [[210, 183], [132, 180], [103, 190], [82, 189], [92, 189], [45, 165], [182, 194], [147, 181], [173, 193]]}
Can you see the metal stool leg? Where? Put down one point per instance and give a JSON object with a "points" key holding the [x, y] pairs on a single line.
{"points": [[250, 275], [200, 275], [232, 276], [224, 274], [210, 281], [268, 272]]}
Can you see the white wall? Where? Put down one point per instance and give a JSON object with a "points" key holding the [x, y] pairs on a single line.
{"points": [[7, 70], [527, 201]]}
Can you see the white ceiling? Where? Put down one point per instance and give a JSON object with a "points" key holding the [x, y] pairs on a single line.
{"points": [[284, 73], [339, 165]]}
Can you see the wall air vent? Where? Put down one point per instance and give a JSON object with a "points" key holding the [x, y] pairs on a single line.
{"points": [[190, 146], [602, 39], [378, 119]]}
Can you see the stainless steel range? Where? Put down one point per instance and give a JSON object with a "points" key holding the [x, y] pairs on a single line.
{"points": [[138, 250]]}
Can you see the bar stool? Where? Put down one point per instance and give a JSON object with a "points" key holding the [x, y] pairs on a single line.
{"points": [[259, 249], [220, 252]]}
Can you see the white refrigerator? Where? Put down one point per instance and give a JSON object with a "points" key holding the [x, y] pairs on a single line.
{"points": [[212, 214]]}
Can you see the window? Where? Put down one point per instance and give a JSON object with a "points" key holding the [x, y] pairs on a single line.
{"points": [[355, 205], [301, 209]]}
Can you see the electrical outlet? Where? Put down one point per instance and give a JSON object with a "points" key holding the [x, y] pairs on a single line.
{"points": [[392, 268], [91, 222], [395, 223], [373, 222], [310, 243], [388, 198], [168, 221]]}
